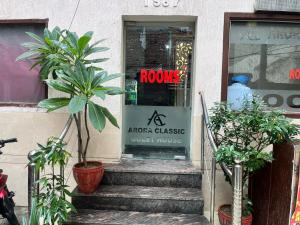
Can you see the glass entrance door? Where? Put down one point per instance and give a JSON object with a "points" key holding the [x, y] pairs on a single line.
{"points": [[158, 74]]}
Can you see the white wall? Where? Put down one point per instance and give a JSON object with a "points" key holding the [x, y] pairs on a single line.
{"points": [[104, 17]]}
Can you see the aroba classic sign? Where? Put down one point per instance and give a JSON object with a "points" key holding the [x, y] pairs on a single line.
{"points": [[156, 126]]}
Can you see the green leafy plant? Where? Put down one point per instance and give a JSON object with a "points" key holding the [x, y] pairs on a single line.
{"points": [[52, 204], [59, 47], [75, 73], [51, 154], [247, 206], [34, 217], [243, 136]]}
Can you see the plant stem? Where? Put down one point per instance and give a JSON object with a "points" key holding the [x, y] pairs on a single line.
{"points": [[79, 136], [88, 135], [53, 172]]}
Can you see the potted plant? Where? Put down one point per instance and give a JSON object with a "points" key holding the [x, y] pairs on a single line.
{"points": [[67, 65], [243, 136]]}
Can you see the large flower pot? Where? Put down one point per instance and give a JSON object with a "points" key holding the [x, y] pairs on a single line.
{"points": [[225, 217], [88, 178]]}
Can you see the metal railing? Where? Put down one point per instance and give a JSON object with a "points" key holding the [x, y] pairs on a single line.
{"points": [[235, 174], [34, 174]]}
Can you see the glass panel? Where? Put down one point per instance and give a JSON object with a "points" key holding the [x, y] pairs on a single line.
{"points": [[268, 54], [158, 78], [18, 83]]}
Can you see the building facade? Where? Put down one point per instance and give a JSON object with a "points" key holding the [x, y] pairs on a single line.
{"points": [[169, 51]]}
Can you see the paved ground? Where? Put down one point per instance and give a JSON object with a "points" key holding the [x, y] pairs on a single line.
{"points": [[153, 166], [20, 212], [109, 217]]}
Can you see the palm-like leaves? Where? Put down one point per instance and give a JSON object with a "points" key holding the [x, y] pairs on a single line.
{"points": [[61, 47], [76, 73], [69, 57], [83, 84]]}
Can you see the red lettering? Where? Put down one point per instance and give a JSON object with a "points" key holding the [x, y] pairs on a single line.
{"points": [[160, 76], [168, 76], [292, 74], [297, 74], [151, 76], [143, 76], [176, 77]]}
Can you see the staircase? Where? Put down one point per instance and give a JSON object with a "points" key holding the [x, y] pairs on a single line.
{"points": [[143, 192]]}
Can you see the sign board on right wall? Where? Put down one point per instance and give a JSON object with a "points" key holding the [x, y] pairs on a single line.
{"points": [[277, 5]]}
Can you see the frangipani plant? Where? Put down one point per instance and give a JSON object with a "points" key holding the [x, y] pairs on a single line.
{"points": [[83, 85], [62, 47], [68, 58]]}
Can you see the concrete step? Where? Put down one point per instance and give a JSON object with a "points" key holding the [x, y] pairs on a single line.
{"points": [[106, 217], [155, 173], [142, 199]]}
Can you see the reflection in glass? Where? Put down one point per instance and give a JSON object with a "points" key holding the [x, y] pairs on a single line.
{"points": [[20, 84], [269, 53]]}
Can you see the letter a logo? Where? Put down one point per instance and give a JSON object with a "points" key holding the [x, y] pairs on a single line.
{"points": [[157, 119]]}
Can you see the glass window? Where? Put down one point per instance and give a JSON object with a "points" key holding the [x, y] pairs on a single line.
{"points": [[158, 64], [264, 60], [19, 84], [158, 80]]}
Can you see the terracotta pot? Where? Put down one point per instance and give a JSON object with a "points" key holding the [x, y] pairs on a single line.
{"points": [[88, 178], [225, 218]]}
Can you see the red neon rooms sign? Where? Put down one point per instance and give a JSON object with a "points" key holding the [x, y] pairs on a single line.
{"points": [[295, 74], [159, 76]]}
